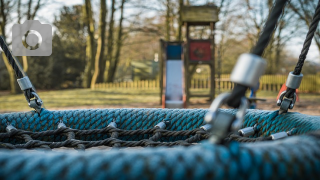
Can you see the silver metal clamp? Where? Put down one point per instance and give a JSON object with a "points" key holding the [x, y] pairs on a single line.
{"points": [[294, 81], [35, 103], [248, 131], [281, 135], [285, 103], [162, 124], [24, 83], [222, 123], [248, 70]]}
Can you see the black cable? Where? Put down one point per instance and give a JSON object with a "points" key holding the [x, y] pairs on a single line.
{"points": [[263, 41], [15, 66], [306, 45], [10, 58]]}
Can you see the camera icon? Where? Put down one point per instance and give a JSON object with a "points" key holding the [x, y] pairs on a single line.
{"points": [[31, 39]]}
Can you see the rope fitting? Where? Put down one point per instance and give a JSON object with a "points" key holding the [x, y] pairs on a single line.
{"points": [[24, 83], [10, 127], [221, 122], [286, 103], [162, 124], [281, 135], [112, 124], [248, 70], [206, 127], [294, 81], [248, 131], [61, 125], [35, 103]]}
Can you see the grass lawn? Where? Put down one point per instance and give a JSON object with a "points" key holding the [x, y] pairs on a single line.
{"points": [[111, 98], [80, 97]]}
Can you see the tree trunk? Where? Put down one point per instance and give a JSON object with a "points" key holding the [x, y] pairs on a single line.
{"points": [[12, 77], [168, 21], [90, 45], [179, 37], [110, 45], [113, 66], [101, 41]]}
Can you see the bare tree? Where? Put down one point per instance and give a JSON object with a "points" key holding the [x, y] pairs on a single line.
{"points": [[115, 63], [5, 8], [110, 72], [90, 45], [305, 9], [101, 42]]}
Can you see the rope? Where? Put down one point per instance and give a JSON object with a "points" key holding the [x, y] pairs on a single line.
{"points": [[15, 66], [10, 58], [291, 158], [306, 45], [263, 41], [112, 141]]}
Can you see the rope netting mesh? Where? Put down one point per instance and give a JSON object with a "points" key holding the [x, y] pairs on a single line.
{"points": [[153, 138], [83, 129]]}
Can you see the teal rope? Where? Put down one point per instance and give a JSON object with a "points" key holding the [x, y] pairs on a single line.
{"points": [[291, 158]]}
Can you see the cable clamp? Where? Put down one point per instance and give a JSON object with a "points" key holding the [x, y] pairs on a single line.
{"points": [[294, 81], [24, 83], [61, 125], [286, 103], [35, 103], [10, 127], [221, 122], [281, 135], [248, 70], [248, 131], [206, 127], [162, 124], [112, 124]]}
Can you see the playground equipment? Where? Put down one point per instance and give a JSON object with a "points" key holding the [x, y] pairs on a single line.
{"points": [[199, 51], [172, 89], [245, 144], [178, 66]]}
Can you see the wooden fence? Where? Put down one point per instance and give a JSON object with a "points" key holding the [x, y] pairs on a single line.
{"points": [[310, 83]]}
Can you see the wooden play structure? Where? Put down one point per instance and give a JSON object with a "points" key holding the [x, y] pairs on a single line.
{"points": [[184, 57]]}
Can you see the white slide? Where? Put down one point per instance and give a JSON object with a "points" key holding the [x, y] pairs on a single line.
{"points": [[174, 84]]}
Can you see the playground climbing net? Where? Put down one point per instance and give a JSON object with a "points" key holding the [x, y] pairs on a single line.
{"points": [[75, 138]]}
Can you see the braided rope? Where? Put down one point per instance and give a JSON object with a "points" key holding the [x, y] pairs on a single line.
{"points": [[305, 49], [15, 66], [291, 158], [112, 141], [278, 7], [10, 58]]}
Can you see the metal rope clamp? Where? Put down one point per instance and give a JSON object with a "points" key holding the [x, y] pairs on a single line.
{"points": [[221, 122], [26, 84], [285, 103]]}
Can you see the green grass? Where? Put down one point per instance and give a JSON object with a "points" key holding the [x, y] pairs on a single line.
{"points": [[112, 97], [80, 97]]}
